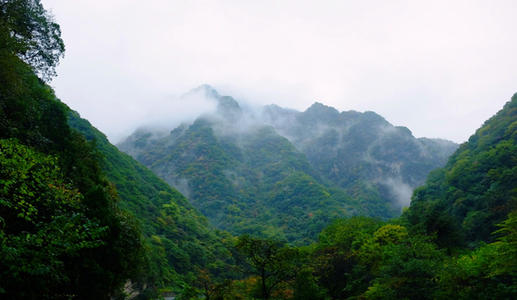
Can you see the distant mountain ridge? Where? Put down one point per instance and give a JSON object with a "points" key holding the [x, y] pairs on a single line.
{"points": [[350, 146], [286, 174]]}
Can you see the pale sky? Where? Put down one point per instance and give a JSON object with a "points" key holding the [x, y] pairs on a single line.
{"points": [[440, 68]]}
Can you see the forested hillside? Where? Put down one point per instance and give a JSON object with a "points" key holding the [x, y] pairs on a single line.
{"points": [[285, 174], [430, 252], [362, 153], [62, 234], [78, 218], [246, 189], [463, 202], [179, 240]]}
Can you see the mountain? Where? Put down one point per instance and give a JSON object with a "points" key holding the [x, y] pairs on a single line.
{"points": [[232, 178], [458, 239], [475, 191], [352, 149], [286, 174]]}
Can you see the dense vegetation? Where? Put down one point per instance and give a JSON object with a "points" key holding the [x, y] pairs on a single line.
{"points": [[464, 201], [254, 182], [81, 220], [422, 254], [178, 239], [371, 160], [363, 258], [241, 171], [61, 232]]}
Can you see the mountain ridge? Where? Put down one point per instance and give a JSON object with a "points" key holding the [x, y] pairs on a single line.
{"points": [[227, 160]]}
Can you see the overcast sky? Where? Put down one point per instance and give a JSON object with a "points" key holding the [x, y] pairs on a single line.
{"points": [[438, 67]]}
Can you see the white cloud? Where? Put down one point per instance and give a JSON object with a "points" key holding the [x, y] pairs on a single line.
{"points": [[438, 67]]}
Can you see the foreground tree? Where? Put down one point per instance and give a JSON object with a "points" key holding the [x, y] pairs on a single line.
{"points": [[28, 31], [62, 234], [489, 272], [45, 228], [273, 263]]}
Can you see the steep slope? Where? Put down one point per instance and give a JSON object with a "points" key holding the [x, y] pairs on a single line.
{"points": [[251, 173], [179, 238], [476, 189], [61, 232]]}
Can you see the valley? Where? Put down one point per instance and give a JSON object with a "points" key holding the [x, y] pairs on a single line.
{"points": [[241, 202]]}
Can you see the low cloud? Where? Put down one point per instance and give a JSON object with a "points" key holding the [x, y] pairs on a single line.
{"points": [[162, 114], [400, 190], [125, 59]]}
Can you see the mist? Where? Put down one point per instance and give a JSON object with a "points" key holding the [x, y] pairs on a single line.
{"points": [[400, 190], [126, 60], [162, 114]]}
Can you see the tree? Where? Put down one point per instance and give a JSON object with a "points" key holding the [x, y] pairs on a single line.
{"points": [[42, 224], [408, 268], [340, 262], [489, 272], [306, 286], [271, 261], [28, 31], [62, 233]]}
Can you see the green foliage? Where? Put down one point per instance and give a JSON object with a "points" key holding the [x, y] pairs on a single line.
{"points": [[362, 258], [487, 272], [42, 223], [407, 270], [46, 225], [272, 262], [361, 153], [255, 183], [306, 286], [62, 232], [506, 262], [28, 31], [476, 190], [253, 180], [337, 257], [179, 239]]}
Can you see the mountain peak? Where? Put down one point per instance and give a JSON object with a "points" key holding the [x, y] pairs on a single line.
{"points": [[319, 112], [205, 90], [228, 105], [320, 108], [375, 118]]}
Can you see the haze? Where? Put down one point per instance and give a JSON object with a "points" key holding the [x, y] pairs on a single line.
{"points": [[441, 68]]}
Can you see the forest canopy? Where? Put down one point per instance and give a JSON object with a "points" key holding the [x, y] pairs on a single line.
{"points": [[29, 31]]}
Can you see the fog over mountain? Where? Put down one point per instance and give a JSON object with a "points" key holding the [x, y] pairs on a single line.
{"points": [[237, 160], [426, 65]]}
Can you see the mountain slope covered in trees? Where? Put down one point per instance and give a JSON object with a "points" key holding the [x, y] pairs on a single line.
{"points": [[477, 189], [286, 174], [430, 252], [353, 150], [78, 218], [230, 184], [180, 241], [62, 234]]}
